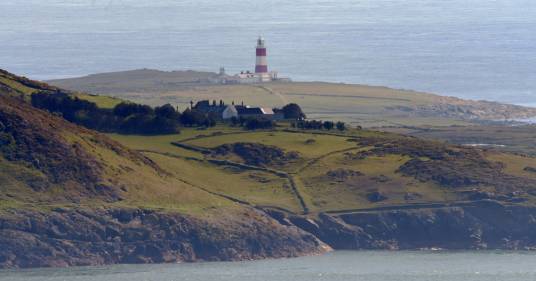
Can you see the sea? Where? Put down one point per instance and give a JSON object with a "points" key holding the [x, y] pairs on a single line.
{"points": [[335, 266], [476, 49]]}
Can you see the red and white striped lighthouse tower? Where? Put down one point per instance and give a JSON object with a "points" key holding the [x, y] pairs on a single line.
{"points": [[261, 65]]}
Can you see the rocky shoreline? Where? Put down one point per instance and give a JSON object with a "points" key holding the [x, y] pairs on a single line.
{"points": [[63, 238], [482, 225]]}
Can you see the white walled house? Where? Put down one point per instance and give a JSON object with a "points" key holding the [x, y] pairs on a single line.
{"points": [[229, 112]]}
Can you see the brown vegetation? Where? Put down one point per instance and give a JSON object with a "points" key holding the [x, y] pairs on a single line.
{"points": [[257, 154], [39, 140]]}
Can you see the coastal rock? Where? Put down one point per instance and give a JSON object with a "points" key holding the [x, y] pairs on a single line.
{"points": [[483, 225], [88, 237]]}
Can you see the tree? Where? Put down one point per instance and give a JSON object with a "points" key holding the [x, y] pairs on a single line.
{"points": [[166, 111], [310, 125], [125, 109], [293, 111], [341, 126], [328, 125], [63, 103], [209, 122], [258, 123], [127, 118], [162, 125], [134, 124], [191, 117]]}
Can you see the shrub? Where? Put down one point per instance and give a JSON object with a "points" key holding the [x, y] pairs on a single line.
{"points": [[255, 123], [341, 126], [234, 121], [127, 109], [328, 125], [167, 111], [193, 117], [293, 111], [127, 118]]}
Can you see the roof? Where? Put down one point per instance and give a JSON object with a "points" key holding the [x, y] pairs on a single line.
{"points": [[207, 107], [267, 110], [244, 110]]}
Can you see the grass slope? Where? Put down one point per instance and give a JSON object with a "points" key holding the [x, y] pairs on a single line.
{"points": [[47, 162], [16, 85], [357, 170]]}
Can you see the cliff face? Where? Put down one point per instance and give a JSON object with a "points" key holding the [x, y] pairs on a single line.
{"points": [[84, 237], [483, 225]]}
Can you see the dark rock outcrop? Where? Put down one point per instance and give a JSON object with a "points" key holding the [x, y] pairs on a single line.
{"points": [[84, 237], [341, 175], [257, 154], [483, 225]]}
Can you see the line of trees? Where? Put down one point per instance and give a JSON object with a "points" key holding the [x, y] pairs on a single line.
{"points": [[125, 118], [132, 118], [252, 123], [319, 125]]}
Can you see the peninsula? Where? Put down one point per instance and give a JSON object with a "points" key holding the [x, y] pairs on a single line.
{"points": [[90, 180]]}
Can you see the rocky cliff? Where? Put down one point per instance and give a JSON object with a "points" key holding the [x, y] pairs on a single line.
{"points": [[95, 237], [480, 225], [82, 237]]}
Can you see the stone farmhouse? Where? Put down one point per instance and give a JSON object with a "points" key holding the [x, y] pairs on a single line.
{"points": [[224, 111]]}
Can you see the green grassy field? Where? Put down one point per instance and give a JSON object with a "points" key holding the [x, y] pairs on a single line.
{"points": [[329, 176], [16, 85], [100, 101], [308, 145], [19, 86], [203, 171]]}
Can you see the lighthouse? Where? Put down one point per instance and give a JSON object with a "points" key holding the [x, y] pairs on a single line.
{"points": [[261, 65], [261, 73]]}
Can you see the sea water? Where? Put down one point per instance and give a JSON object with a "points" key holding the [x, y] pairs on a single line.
{"points": [[476, 49], [336, 266]]}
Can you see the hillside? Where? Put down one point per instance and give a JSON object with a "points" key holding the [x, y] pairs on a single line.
{"points": [[71, 196], [23, 87], [366, 106]]}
